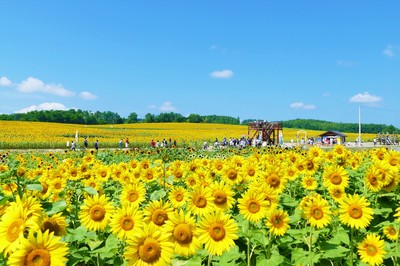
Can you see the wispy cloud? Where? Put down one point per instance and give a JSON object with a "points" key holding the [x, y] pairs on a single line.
{"points": [[391, 50], [5, 82], [31, 85], [365, 98], [43, 106], [326, 94], [215, 47], [301, 105], [87, 95], [222, 74], [345, 63], [167, 107]]}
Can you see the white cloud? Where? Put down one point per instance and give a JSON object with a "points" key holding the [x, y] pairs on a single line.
{"points": [[301, 105], [167, 107], [87, 95], [365, 98], [223, 74], [43, 106], [391, 50], [36, 85], [5, 82]]}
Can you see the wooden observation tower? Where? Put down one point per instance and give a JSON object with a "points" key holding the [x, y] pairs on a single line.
{"points": [[262, 131]]}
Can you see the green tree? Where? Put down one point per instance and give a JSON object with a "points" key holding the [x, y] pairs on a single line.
{"points": [[132, 118]]}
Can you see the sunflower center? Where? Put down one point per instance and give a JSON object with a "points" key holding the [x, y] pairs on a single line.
{"points": [[371, 250], [159, 217], [150, 251], [251, 172], [335, 179], [273, 180], [200, 201], [355, 212], [393, 162], [133, 196], [373, 180], [219, 167], [103, 174], [97, 212], [13, 230], [309, 165], [253, 206], [178, 174], [232, 174], [51, 226], [277, 222], [392, 231], [57, 186], [219, 197], [45, 187], [317, 213], [217, 232], [38, 257], [127, 223], [179, 196], [183, 234]]}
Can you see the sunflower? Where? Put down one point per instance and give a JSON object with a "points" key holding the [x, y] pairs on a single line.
{"points": [[337, 193], [392, 185], [102, 172], [96, 212], [14, 222], [200, 201], [218, 232], [335, 176], [223, 195], [253, 205], [275, 177], [177, 196], [42, 249], [31, 205], [125, 221], [133, 194], [148, 174], [372, 179], [392, 158], [291, 172], [355, 211], [9, 189], [378, 154], [372, 249], [308, 182], [231, 173], [251, 169], [217, 165], [317, 212], [385, 172], [397, 214], [183, 231], [55, 224], [57, 185], [310, 165], [391, 232], [157, 212], [278, 222], [149, 246], [94, 183]]}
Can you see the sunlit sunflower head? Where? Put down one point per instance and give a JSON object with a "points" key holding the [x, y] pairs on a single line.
{"points": [[178, 196], [335, 176], [218, 165], [378, 154], [102, 172], [317, 212], [94, 183], [391, 232], [183, 233], [291, 172], [251, 170], [31, 205], [148, 174], [133, 194], [55, 223], [397, 214], [231, 173], [223, 195], [275, 177], [278, 222], [385, 172], [126, 221], [157, 212], [372, 249], [40, 249], [58, 185], [3, 168], [355, 211], [9, 189], [308, 182], [13, 225], [316, 152], [200, 201], [392, 185], [392, 159], [253, 205], [311, 165], [372, 179], [337, 193], [149, 246], [96, 212], [218, 232], [88, 159], [73, 173]]}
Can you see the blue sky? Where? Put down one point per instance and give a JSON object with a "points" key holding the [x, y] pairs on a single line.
{"points": [[273, 60]]}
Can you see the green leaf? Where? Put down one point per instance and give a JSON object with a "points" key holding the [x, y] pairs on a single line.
{"points": [[57, 206], [90, 190], [94, 243], [37, 187], [229, 258], [276, 259], [158, 194]]}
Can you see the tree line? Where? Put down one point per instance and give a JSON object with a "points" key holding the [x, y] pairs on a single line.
{"points": [[77, 116]]}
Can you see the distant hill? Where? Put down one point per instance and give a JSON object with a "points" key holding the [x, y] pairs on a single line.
{"points": [[313, 124]]}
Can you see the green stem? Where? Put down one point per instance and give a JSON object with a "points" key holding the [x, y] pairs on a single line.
{"points": [[209, 260], [310, 247], [351, 246], [269, 246], [397, 244], [248, 252]]}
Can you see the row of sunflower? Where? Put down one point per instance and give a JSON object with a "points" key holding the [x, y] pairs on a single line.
{"points": [[184, 207]]}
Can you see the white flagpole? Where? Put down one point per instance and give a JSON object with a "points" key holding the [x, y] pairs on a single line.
{"points": [[76, 138]]}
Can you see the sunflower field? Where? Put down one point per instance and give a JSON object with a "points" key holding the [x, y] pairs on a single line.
{"points": [[176, 206]]}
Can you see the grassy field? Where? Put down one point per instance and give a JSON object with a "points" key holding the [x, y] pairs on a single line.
{"points": [[36, 135]]}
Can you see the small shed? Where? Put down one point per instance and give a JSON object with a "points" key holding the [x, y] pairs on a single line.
{"points": [[333, 137]]}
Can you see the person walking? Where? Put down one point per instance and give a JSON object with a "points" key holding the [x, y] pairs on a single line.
{"points": [[127, 143], [73, 145], [96, 145], [85, 143]]}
